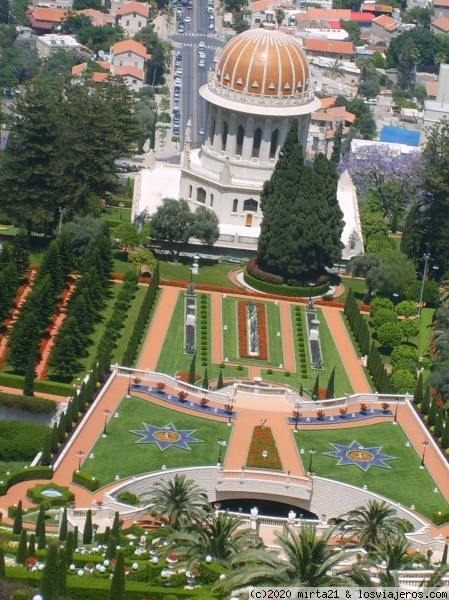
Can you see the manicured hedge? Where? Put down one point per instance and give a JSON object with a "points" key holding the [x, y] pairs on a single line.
{"points": [[45, 387], [284, 290], [36, 495], [85, 480], [441, 517], [30, 404], [25, 475], [20, 440]]}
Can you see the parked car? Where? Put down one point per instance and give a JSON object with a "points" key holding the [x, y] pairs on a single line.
{"points": [[181, 28], [201, 131], [178, 55], [211, 26], [201, 55], [201, 63], [187, 19], [190, 6], [215, 59]]}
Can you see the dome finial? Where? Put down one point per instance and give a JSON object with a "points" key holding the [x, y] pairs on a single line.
{"points": [[269, 22]]}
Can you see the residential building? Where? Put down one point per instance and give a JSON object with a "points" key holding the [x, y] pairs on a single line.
{"points": [[431, 89], [132, 16], [50, 43], [441, 8], [383, 28], [327, 49], [376, 9], [97, 18], [46, 19], [129, 53], [437, 110], [134, 78], [440, 25], [323, 125]]}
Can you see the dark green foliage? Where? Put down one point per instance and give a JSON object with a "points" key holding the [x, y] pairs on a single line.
{"points": [[31, 550], [17, 526], [439, 423], [128, 497], [425, 405], [115, 530], [87, 531], [63, 526], [419, 390], [192, 370], [117, 589], [220, 381], [21, 252], [336, 149], [70, 545], [111, 550], [30, 375], [54, 444], [62, 572], [432, 417], [40, 519], [61, 428], [22, 548], [330, 390], [69, 417], [85, 480], [46, 452], [50, 576], [9, 281], [19, 439], [2, 563], [445, 436], [205, 384], [377, 371], [41, 537], [316, 388]]}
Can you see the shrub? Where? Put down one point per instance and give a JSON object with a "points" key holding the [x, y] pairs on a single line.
{"points": [[85, 480], [254, 271], [240, 368], [279, 289], [128, 497], [222, 365], [20, 440], [441, 517], [287, 373], [31, 404], [37, 496], [269, 371]]}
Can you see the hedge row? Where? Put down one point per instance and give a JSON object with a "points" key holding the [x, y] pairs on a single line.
{"points": [[30, 404], [19, 440], [284, 290], [142, 319], [25, 475], [86, 481], [45, 387], [441, 517]]}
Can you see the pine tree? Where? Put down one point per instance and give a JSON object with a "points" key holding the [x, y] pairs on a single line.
{"points": [[419, 390], [87, 531], [21, 252], [40, 519], [31, 550], [61, 428], [192, 369], [432, 417], [205, 384], [54, 439], [316, 388], [62, 572], [70, 546], [111, 550], [330, 391], [75, 409], [115, 530], [66, 253], [117, 589], [439, 424], [220, 381], [17, 527], [445, 436], [22, 548], [41, 537], [50, 575], [82, 398], [425, 406], [445, 552], [63, 527], [2, 563], [65, 356], [46, 452], [52, 265]]}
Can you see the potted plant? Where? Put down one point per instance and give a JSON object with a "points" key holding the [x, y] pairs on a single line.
{"points": [[160, 386], [136, 380], [363, 408], [343, 411], [182, 395], [204, 402], [172, 559], [385, 406], [228, 408], [320, 414]]}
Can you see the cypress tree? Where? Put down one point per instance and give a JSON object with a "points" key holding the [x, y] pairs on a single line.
{"points": [[30, 375], [220, 381], [54, 442], [40, 519], [69, 546], [2, 563], [17, 527], [106, 535], [425, 406], [419, 390], [31, 550], [50, 575], [62, 572], [192, 369], [117, 589], [445, 436], [75, 408], [41, 538], [316, 388], [87, 531], [63, 527], [115, 530], [82, 398], [61, 428], [336, 148], [444, 557], [330, 391], [111, 550], [46, 452], [22, 548], [76, 536], [439, 423], [205, 383], [69, 417], [432, 412]]}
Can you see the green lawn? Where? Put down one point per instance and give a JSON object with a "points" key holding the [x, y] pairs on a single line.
{"points": [[405, 482], [358, 286], [425, 329], [230, 335], [172, 357], [111, 213], [131, 458], [210, 273], [331, 359]]}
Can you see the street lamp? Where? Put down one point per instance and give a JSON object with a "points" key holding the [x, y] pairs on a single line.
{"points": [[311, 452], [230, 415], [395, 298], [194, 267], [129, 384], [80, 455], [61, 212], [122, 206], [296, 415], [106, 413], [424, 446], [310, 304], [222, 444], [395, 420], [424, 273]]}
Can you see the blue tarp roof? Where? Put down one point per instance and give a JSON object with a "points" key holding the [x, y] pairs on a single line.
{"points": [[397, 135]]}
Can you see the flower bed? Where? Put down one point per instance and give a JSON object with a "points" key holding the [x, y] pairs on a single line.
{"points": [[243, 331], [261, 441]]}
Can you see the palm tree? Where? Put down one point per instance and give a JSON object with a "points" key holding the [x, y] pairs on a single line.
{"points": [[307, 561], [218, 536], [334, 70], [366, 66], [397, 555], [180, 500], [372, 523]]}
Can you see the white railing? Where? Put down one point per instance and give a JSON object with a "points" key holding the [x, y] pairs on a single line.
{"points": [[261, 475], [259, 390]]}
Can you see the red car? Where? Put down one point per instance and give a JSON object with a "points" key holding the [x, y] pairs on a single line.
{"points": [[190, 6]]}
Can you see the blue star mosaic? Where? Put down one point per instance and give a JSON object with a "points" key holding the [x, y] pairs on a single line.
{"points": [[166, 437], [363, 458]]}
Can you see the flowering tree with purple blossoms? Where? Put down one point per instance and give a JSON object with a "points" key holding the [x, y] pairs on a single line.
{"points": [[394, 179]]}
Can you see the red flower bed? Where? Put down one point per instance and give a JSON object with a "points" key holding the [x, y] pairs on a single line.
{"points": [[263, 440], [243, 334], [184, 376]]}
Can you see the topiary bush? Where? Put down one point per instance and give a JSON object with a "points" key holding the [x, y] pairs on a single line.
{"points": [[128, 497], [440, 517]]}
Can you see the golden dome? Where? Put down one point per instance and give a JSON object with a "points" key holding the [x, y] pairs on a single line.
{"points": [[263, 62]]}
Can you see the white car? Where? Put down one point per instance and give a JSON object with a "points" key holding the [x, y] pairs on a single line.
{"points": [[215, 59], [211, 27], [201, 131], [187, 19], [201, 45], [178, 71], [201, 55], [201, 63]]}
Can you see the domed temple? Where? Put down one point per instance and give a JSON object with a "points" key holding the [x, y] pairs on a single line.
{"points": [[261, 83]]}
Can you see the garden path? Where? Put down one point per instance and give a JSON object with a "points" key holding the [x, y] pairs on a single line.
{"points": [[158, 329], [216, 337], [287, 336], [352, 364]]}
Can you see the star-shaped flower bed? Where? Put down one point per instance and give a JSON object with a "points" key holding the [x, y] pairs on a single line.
{"points": [[166, 437], [356, 454]]}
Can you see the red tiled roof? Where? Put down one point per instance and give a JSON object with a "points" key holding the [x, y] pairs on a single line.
{"points": [[130, 46], [431, 88], [131, 71], [386, 22], [361, 17], [131, 7], [329, 13], [334, 47], [441, 3], [327, 102], [441, 23], [53, 15]]}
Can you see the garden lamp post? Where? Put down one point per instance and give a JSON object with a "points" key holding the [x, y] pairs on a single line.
{"points": [[395, 420], [395, 298], [61, 212], [222, 444], [424, 446], [311, 452], [194, 267], [129, 384], [106, 413], [310, 304], [121, 206], [296, 415], [230, 415], [80, 455], [424, 273]]}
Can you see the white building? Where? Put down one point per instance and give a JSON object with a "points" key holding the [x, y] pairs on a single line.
{"points": [[437, 110], [50, 43]]}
